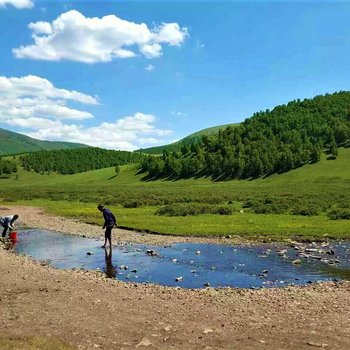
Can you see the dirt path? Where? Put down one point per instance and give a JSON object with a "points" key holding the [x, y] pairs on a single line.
{"points": [[45, 308]]}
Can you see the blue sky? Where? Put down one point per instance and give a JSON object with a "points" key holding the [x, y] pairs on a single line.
{"points": [[131, 74]]}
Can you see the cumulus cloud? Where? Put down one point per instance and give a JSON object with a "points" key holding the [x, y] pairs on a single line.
{"points": [[29, 100], [20, 4], [40, 110], [72, 36], [127, 133]]}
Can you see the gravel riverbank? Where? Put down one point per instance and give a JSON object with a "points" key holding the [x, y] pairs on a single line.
{"points": [[62, 309]]}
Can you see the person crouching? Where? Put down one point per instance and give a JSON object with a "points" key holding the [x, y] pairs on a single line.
{"points": [[7, 222]]}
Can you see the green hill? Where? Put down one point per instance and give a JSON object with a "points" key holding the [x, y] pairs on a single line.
{"points": [[188, 140], [14, 143], [274, 141]]}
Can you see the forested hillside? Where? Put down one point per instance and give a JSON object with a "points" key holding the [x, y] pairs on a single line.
{"points": [[185, 142], [14, 143], [76, 160], [269, 142]]}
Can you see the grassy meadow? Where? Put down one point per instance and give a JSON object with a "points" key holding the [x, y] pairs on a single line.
{"points": [[294, 205]]}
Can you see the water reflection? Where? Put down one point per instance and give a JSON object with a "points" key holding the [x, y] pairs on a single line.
{"points": [[181, 265], [110, 269]]}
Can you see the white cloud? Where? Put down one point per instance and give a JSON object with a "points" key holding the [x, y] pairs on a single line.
{"points": [[42, 111], [149, 67], [171, 33], [72, 36], [33, 98], [151, 50], [20, 4], [40, 28], [127, 133], [35, 86]]}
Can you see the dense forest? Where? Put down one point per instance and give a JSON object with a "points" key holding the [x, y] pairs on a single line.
{"points": [[73, 161], [7, 167], [275, 141]]}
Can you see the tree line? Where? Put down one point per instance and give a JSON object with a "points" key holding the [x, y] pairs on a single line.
{"points": [[275, 141], [72, 161], [7, 167]]}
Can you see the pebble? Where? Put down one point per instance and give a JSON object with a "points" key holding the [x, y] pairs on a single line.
{"points": [[151, 252], [144, 342], [318, 345]]}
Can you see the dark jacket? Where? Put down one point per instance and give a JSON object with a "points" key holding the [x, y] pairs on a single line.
{"points": [[110, 219]]}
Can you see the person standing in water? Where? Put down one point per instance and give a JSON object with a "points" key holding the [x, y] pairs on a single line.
{"points": [[7, 222], [110, 222]]}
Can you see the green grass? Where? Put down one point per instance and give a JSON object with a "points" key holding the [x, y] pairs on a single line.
{"points": [[246, 225], [33, 343], [324, 185]]}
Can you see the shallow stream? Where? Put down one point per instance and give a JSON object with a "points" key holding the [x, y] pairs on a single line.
{"points": [[192, 265]]}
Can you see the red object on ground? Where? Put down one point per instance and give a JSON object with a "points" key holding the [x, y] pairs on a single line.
{"points": [[13, 236]]}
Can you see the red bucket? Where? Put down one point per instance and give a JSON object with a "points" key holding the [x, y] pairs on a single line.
{"points": [[13, 236]]}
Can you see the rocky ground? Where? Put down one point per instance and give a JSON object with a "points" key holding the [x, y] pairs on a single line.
{"points": [[45, 308]]}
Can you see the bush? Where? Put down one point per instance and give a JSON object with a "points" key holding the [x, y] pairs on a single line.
{"points": [[339, 214], [250, 203], [131, 204], [224, 210], [306, 211], [181, 209], [267, 209]]}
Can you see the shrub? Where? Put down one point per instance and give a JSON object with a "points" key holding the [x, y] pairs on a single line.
{"points": [[224, 210], [310, 211], [339, 214], [181, 209], [131, 204], [250, 203], [262, 208]]}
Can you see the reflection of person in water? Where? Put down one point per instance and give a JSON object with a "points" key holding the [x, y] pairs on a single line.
{"points": [[111, 271]]}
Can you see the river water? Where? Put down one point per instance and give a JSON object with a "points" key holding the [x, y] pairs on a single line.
{"points": [[192, 265]]}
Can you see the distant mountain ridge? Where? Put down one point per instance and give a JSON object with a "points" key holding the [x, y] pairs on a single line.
{"points": [[14, 143], [188, 140]]}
